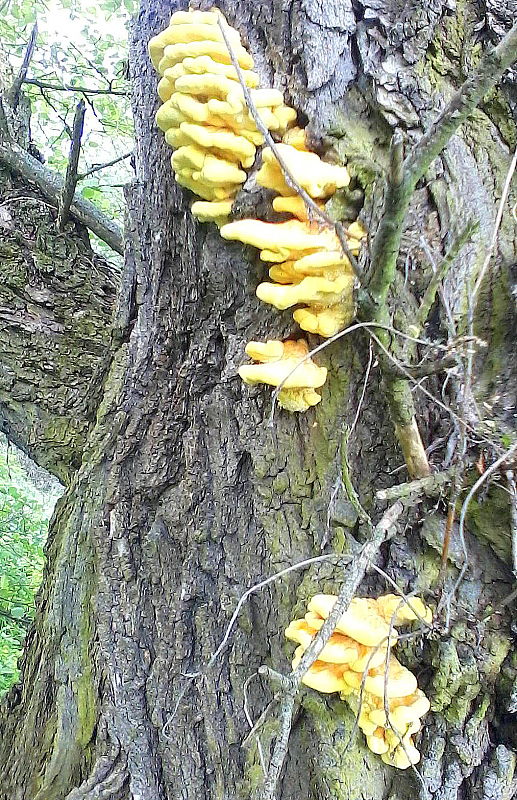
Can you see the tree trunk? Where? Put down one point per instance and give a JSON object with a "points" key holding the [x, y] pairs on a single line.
{"points": [[185, 496]]}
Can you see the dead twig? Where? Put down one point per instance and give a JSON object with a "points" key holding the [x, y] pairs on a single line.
{"points": [[432, 486], [72, 88], [510, 479], [439, 275], [14, 92], [68, 191], [447, 599], [99, 167]]}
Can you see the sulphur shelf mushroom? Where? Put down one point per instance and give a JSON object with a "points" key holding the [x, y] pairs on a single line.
{"points": [[204, 114], [355, 663], [285, 363]]}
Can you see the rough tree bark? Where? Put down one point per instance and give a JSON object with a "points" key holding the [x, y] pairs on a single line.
{"points": [[184, 497]]}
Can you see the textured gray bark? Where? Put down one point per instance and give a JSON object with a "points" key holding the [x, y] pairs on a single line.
{"points": [[185, 497], [57, 301]]}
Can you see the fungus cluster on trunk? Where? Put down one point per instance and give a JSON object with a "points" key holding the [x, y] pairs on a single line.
{"points": [[206, 120], [356, 663]]}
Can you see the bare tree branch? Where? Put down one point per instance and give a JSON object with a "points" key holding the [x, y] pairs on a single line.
{"points": [[51, 185], [447, 262], [56, 87], [68, 192], [98, 167], [290, 683], [14, 93]]}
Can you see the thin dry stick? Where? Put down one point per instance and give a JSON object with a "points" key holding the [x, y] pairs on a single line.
{"points": [[192, 676], [14, 93], [252, 725], [289, 178], [67, 194], [431, 396], [99, 167], [72, 88], [510, 479], [440, 273], [498, 219], [356, 326], [363, 392], [431, 486]]}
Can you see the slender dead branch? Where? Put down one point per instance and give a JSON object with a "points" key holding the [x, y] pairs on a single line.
{"points": [[431, 486], [512, 487], [70, 184], [99, 167], [402, 181], [448, 260], [288, 176], [51, 185], [14, 93], [461, 528], [489, 70], [72, 88], [386, 244], [418, 371]]}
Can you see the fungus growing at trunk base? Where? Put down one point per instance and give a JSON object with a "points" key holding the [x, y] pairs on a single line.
{"points": [[356, 656]]}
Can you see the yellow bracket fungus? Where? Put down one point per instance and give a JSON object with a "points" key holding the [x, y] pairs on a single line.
{"points": [[359, 644], [276, 361], [204, 114], [206, 120], [317, 177]]}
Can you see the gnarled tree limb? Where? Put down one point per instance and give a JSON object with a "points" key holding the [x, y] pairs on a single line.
{"points": [[51, 185]]}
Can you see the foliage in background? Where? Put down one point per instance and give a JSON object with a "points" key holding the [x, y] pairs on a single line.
{"points": [[78, 45], [25, 511]]}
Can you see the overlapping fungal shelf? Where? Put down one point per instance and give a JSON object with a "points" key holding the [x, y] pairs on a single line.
{"points": [[206, 121], [359, 647]]}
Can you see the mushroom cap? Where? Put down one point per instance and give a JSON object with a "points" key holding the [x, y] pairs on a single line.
{"points": [[392, 605], [400, 683], [323, 677], [325, 263], [293, 205], [398, 757], [211, 211], [367, 656], [309, 290], [403, 710], [339, 649], [275, 368], [317, 177], [358, 621], [296, 138], [279, 241], [284, 273], [205, 64], [326, 320], [298, 399], [174, 53], [377, 742]]}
